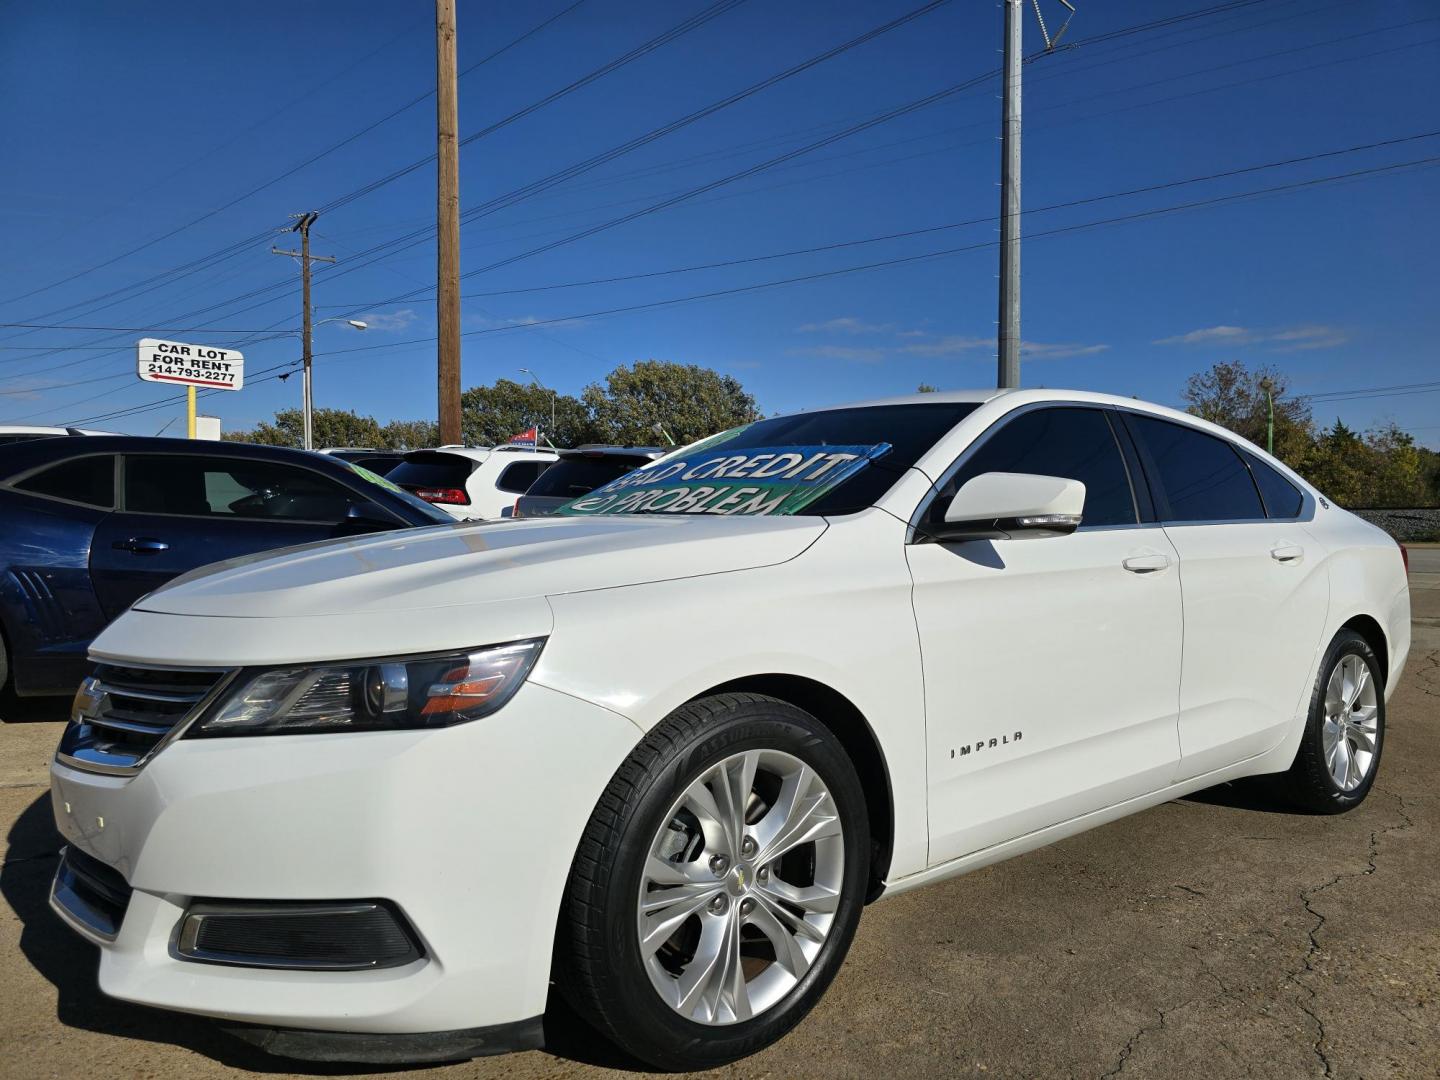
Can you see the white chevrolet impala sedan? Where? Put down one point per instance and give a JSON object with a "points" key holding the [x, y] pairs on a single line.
{"points": [[377, 799]]}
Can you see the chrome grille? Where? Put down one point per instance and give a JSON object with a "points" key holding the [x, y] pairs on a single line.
{"points": [[125, 713]]}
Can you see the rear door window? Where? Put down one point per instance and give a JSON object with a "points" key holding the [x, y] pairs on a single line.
{"points": [[1077, 444], [569, 478], [1201, 477], [519, 475], [1282, 498], [88, 480], [232, 488]]}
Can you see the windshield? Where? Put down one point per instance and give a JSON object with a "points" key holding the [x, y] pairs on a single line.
{"points": [[439, 517], [836, 461], [571, 477]]}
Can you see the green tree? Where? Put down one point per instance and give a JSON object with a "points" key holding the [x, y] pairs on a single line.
{"points": [[926, 388], [331, 427], [409, 434], [688, 401], [490, 415], [1233, 396]]}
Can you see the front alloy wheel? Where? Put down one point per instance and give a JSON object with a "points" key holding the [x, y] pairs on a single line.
{"points": [[740, 889], [718, 884]]}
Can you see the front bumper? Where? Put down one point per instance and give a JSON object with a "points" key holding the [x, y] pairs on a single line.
{"points": [[469, 831]]}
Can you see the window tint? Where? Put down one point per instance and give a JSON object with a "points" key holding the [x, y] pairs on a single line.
{"points": [[571, 477], [1282, 498], [1076, 444], [433, 471], [88, 480], [910, 430], [518, 476], [220, 487], [1202, 477]]}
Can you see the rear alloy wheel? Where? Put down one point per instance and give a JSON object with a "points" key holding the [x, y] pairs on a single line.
{"points": [[718, 886], [1340, 751]]}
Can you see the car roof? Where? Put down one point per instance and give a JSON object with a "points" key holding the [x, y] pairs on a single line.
{"points": [[607, 450], [33, 452], [32, 429], [483, 453]]}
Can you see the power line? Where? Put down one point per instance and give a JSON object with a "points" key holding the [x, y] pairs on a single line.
{"points": [[726, 263], [302, 165], [922, 257], [514, 197]]}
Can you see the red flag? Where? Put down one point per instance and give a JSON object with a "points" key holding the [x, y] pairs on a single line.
{"points": [[529, 437]]}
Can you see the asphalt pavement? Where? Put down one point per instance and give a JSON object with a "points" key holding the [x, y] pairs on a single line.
{"points": [[1222, 935]]}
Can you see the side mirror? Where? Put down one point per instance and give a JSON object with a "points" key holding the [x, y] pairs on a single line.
{"points": [[1011, 506]]}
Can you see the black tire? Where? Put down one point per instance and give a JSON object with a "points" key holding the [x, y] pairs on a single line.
{"points": [[1309, 782], [599, 965]]}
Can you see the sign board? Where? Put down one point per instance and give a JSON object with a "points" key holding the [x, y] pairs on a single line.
{"points": [[189, 365], [724, 480], [207, 427]]}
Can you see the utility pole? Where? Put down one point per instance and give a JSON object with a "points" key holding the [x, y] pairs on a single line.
{"points": [[302, 226], [1008, 342], [447, 223], [1269, 387], [1008, 374]]}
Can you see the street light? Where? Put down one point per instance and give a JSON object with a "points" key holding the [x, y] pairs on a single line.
{"points": [[535, 379], [306, 395]]}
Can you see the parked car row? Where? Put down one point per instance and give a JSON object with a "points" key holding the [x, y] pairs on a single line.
{"points": [[87, 526]]}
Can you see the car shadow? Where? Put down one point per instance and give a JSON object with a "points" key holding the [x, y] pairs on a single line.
{"points": [[69, 963], [1256, 793], [32, 710]]}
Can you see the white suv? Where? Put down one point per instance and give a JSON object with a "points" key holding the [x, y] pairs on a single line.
{"points": [[472, 482], [371, 797]]}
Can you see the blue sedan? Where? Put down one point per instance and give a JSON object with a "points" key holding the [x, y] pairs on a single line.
{"points": [[88, 526]]}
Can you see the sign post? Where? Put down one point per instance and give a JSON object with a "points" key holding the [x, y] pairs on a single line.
{"points": [[190, 366]]}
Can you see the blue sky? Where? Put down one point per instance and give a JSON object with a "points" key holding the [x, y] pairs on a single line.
{"points": [[124, 123]]}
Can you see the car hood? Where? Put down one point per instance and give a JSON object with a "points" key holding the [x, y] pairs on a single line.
{"points": [[481, 562]]}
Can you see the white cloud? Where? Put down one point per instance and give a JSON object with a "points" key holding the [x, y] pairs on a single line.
{"points": [[848, 324], [1039, 350], [945, 347], [1290, 339], [951, 345], [394, 320]]}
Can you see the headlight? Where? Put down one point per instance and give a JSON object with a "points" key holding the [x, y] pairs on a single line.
{"points": [[374, 695]]}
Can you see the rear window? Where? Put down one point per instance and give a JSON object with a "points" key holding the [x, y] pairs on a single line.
{"points": [[574, 476], [432, 471], [518, 476], [88, 480]]}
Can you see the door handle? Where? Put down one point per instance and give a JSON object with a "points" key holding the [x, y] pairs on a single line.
{"points": [[1146, 564], [1287, 553], [141, 545]]}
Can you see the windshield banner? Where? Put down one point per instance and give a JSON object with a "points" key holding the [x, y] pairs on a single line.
{"points": [[719, 480]]}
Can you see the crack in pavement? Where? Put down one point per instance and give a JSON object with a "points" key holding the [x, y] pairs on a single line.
{"points": [[1307, 897], [1129, 1047]]}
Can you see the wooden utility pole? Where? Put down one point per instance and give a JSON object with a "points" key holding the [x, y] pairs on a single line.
{"points": [[448, 223], [302, 226]]}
